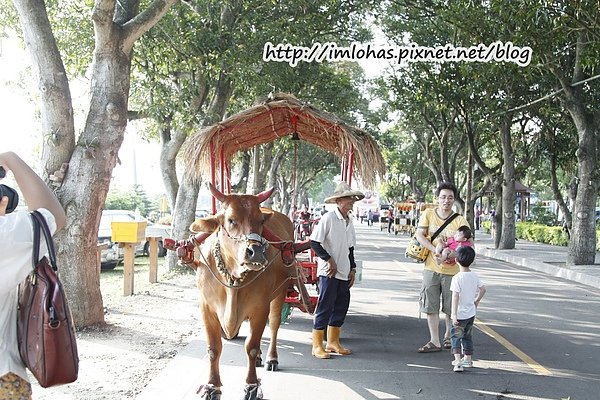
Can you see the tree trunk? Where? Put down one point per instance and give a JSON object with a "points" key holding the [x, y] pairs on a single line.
{"points": [[83, 189], [256, 154], [582, 247], [507, 234], [58, 126], [272, 175], [496, 218], [171, 143], [184, 213], [242, 184], [558, 195]]}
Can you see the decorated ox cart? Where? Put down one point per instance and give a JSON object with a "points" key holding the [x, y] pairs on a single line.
{"points": [[248, 265], [407, 216]]}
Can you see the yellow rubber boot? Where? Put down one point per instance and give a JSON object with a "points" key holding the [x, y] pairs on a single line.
{"points": [[317, 344], [333, 341]]}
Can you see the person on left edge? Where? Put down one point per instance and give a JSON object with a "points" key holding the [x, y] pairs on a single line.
{"points": [[333, 241], [16, 247]]}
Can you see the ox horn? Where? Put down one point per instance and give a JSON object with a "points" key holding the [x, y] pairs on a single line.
{"points": [[262, 196], [216, 193]]}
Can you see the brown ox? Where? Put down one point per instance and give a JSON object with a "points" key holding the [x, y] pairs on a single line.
{"points": [[240, 278]]}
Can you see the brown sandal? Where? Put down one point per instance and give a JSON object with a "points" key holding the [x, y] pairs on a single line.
{"points": [[447, 343], [429, 348]]}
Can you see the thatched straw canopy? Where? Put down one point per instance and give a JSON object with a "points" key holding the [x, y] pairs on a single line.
{"points": [[278, 117]]}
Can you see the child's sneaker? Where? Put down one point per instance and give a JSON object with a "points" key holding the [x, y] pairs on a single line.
{"points": [[457, 367], [467, 363]]}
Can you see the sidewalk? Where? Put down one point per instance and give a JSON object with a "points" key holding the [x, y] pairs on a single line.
{"points": [[541, 257]]}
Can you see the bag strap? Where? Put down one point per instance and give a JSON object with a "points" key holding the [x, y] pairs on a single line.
{"points": [[444, 225], [40, 224]]}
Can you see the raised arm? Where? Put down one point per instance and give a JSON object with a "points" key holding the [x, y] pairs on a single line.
{"points": [[35, 191]]}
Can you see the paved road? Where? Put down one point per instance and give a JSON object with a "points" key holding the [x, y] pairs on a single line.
{"points": [[538, 338]]}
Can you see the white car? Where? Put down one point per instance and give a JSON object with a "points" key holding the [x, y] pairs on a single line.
{"points": [[114, 254]]}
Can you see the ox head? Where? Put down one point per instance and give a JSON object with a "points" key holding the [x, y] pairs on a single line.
{"points": [[240, 221]]}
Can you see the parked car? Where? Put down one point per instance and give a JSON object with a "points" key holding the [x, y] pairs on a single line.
{"points": [[114, 254], [201, 213]]}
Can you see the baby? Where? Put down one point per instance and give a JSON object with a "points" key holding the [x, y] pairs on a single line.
{"points": [[445, 251]]}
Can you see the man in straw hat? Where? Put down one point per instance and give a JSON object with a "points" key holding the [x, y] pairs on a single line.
{"points": [[333, 241]]}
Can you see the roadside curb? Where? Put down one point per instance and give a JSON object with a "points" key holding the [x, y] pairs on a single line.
{"points": [[572, 273]]}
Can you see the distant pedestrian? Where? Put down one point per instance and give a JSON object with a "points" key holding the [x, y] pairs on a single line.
{"points": [[467, 292], [390, 220], [370, 218]]}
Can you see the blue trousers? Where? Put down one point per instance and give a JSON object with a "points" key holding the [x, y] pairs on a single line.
{"points": [[334, 300], [462, 337]]}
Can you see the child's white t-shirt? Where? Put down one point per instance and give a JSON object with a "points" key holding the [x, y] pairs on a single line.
{"points": [[467, 284]]}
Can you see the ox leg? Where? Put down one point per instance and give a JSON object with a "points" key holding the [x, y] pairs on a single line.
{"points": [[214, 345], [272, 363], [252, 346]]}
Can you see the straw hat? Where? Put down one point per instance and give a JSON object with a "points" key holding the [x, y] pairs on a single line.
{"points": [[344, 190]]}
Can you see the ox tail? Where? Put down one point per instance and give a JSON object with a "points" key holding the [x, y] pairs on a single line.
{"points": [[231, 323]]}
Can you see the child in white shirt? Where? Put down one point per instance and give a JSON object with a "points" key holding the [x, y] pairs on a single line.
{"points": [[467, 291]]}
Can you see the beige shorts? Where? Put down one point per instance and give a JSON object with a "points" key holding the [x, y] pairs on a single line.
{"points": [[435, 286], [13, 387]]}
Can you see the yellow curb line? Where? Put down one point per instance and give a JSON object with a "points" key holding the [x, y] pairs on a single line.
{"points": [[513, 349]]}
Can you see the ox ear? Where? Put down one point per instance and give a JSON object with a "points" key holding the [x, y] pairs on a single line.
{"points": [[262, 196], [208, 224], [216, 193], [267, 213]]}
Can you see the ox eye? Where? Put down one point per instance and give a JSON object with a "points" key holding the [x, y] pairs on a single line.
{"points": [[232, 222]]}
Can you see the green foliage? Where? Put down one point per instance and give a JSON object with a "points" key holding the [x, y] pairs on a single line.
{"points": [[130, 200], [541, 215], [554, 235], [533, 232], [426, 93], [215, 42]]}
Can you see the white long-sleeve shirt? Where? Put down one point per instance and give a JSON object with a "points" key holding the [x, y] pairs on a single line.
{"points": [[16, 251]]}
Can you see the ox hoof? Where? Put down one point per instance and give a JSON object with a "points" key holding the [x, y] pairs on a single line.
{"points": [[209, 392], [272, 365], [259, 362], [252, 392]]}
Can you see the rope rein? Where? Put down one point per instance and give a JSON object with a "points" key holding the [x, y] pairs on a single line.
{"points": [[228, 280]]}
